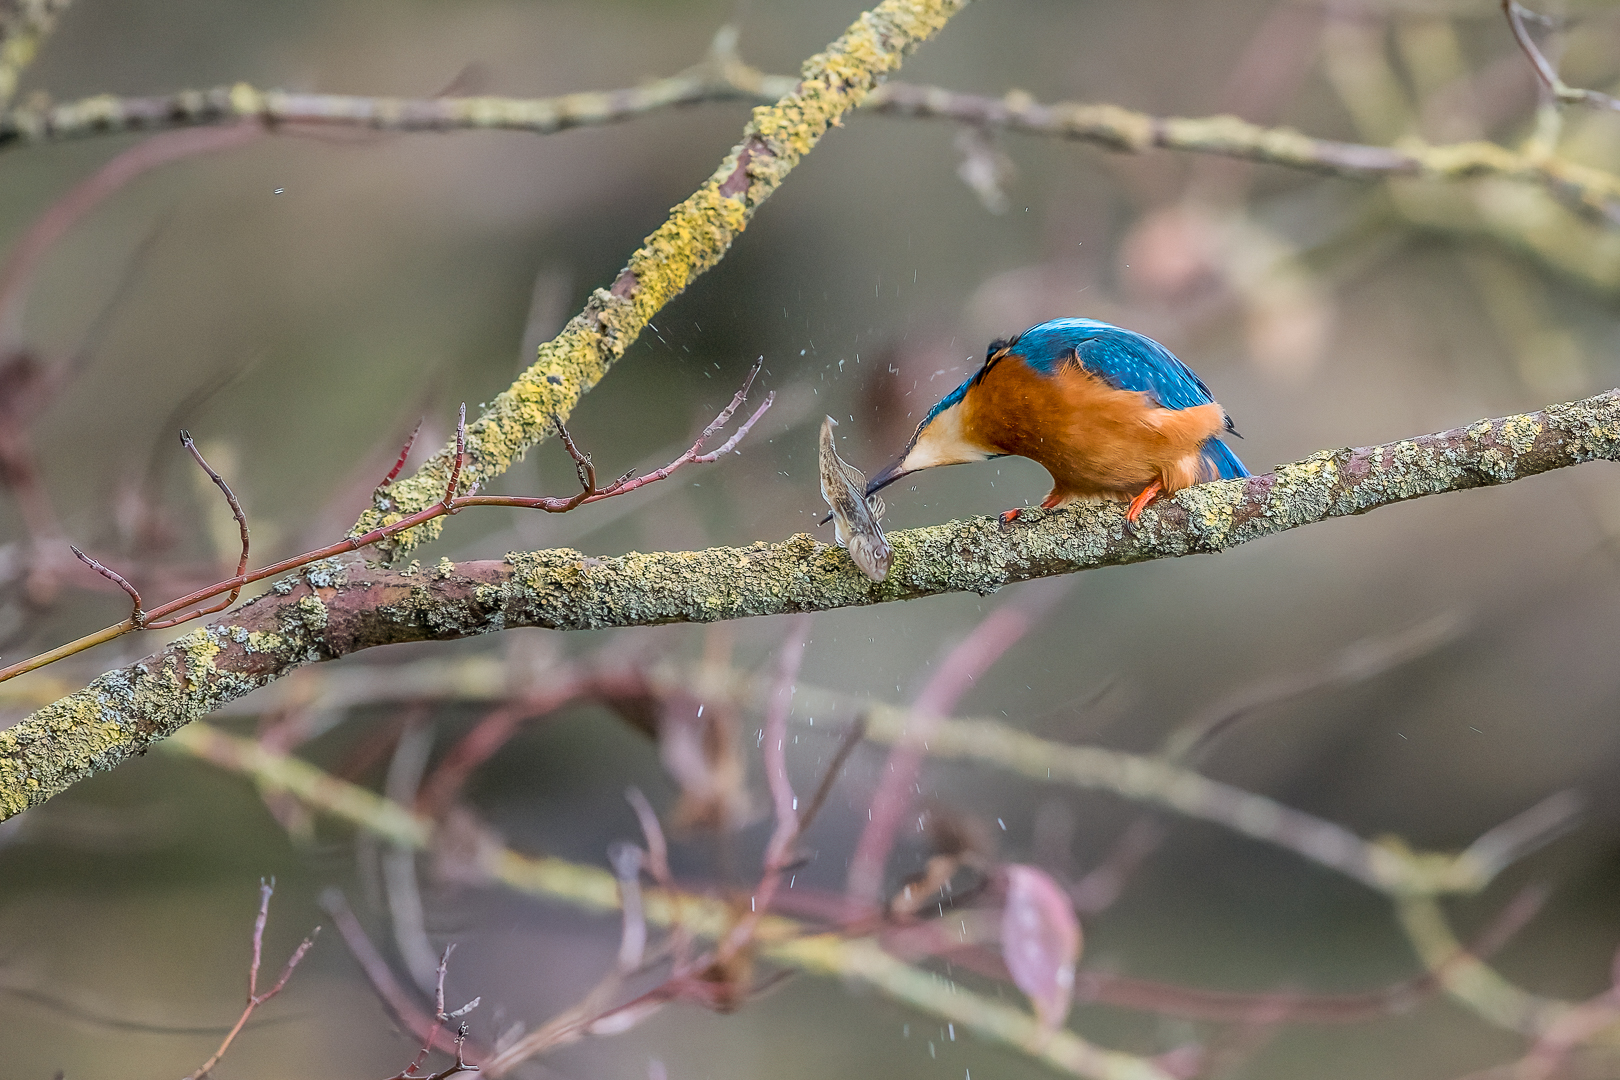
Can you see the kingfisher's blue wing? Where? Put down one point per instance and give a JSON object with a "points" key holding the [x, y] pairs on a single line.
{"points": [[1122, 358], [1126, 360]]}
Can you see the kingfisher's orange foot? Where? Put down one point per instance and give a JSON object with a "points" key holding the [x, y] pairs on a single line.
{"points": [[1139, 503], [1010, 516]]}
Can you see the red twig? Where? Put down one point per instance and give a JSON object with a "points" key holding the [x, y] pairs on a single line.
{"points": [[461, 456], [405, 452], [992, 637], [241, 524], [254, 998], [157, 617], [137, 617]]}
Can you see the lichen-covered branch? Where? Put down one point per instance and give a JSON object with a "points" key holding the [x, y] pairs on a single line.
{"points": [[333, 609], [723, 77], [781, 940], [693, 239], [1593, 190], [24, 26], [718, 77]]}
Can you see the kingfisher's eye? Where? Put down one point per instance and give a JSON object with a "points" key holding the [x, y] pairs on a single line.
{"points": [[995, 347]]}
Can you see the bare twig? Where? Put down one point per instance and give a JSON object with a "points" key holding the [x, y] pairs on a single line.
{"points": [[846, 746], [137, 617], [1356, 663], [443, 785], [393, 996], [254, 998], [25, 256], [1562, 91], [405, 453], [657, 863], [440, 1018], [780, 940], [449, 503], [241, 563]]}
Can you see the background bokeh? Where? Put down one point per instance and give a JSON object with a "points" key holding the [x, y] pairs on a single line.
{"points": [[298, 302]]}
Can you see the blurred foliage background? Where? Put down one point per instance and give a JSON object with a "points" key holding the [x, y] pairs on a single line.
{"points": [[299, 302]]}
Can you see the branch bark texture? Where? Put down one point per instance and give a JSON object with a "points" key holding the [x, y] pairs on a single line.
{"points": [[694, 238], [333, 609]]}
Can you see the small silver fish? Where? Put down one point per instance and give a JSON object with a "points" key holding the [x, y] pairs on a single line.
{"points": [[855, 516]]}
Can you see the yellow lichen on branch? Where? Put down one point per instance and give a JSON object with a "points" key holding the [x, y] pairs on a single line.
{"points": [[694, 238]]}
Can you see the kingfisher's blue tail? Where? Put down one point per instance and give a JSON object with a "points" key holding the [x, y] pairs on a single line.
{"points": [[1227, 466]]}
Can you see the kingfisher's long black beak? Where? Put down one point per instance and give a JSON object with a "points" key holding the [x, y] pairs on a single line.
{"points": [[880, 481], [888, 476]]}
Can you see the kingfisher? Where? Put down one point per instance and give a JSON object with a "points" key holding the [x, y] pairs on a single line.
{"points": [[1110, 413]]}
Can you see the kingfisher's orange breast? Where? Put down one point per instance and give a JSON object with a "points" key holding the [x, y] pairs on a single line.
{"points": [[1095, 440]]}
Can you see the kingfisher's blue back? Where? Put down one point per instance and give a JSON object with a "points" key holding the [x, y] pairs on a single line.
{"points": [[1126, 360]]}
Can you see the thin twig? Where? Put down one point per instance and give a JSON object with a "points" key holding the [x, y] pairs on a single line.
{"points": [[448, 504], [377, 972], [440, 1018], [400, 888], [254, 998], [404, 453], [657, 849], [846, 746], [780, 940], [461, 456], [137, 617], [241, 563], [1562, 91]]}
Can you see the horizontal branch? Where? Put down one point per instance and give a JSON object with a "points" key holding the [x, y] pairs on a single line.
{"points": [[722, 77], [1593, 190], [334, 609], [108, 114]]}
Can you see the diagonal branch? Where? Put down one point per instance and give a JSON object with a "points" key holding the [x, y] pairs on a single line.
{"points": [[693, 239], [334, 609]]}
